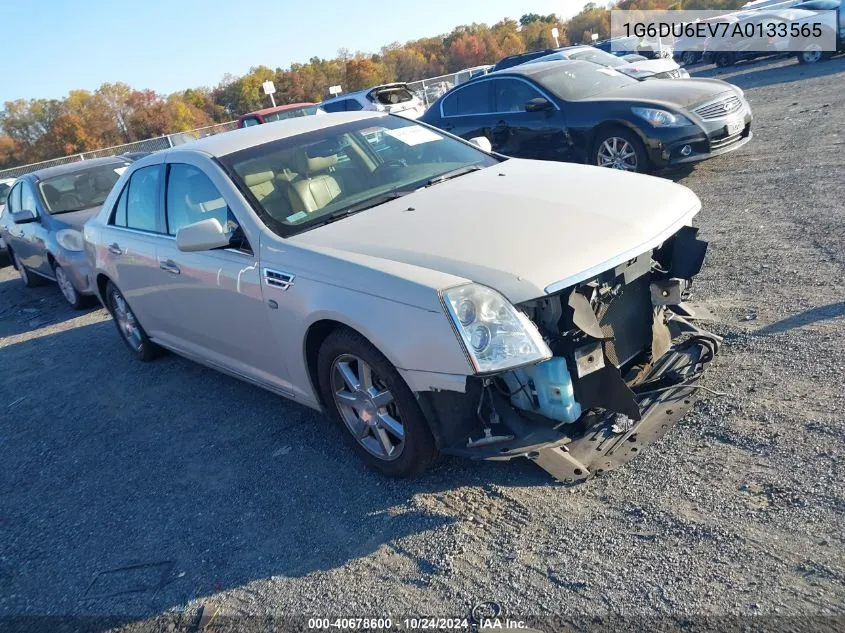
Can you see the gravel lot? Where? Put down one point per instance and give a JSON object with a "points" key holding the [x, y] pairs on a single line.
{"points": [[137, 489]]}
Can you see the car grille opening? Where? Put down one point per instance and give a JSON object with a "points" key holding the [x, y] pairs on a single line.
{"points": [[626, 321], [721, 108], [724, 140]]}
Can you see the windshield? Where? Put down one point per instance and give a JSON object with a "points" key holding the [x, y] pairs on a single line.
{"points": [[303, 181], [581, 80], [289, 114], [597, 56], [81, 189]]}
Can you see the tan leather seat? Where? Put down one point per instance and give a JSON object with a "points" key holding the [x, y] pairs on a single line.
{"points": [[260, 184], [313, 191]]}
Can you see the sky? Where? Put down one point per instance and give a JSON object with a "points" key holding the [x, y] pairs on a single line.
{"points": [[169, 45]]}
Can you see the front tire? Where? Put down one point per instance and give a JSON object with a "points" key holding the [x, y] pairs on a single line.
{"points": [[618, 148], [128, 327], [69, 292], [379, 413], [813, 54]]}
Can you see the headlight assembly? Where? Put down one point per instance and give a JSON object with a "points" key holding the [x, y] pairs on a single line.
{"points": [[661, 118], [70, 240], [495, 334]]}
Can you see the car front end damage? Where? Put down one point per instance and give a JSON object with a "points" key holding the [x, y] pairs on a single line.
{"points": [[626, 354]]}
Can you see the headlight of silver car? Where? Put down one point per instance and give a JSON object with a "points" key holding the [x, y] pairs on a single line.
{"points": [[661, 118], [495, 334], [70, 240]]}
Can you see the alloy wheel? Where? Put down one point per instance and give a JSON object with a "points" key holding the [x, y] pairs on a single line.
{"points": [[21, 270], [65, 285], [126, 321], [367, 407], [617, 153], [812, 54]]}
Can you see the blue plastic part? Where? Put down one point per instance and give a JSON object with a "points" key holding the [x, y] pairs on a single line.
{"points": [[553, 386]]}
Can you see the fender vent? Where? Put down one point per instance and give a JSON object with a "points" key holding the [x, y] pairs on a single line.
{"points": [[278, 279]]}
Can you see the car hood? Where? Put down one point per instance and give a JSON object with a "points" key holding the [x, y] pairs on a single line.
{"points": [[648, 67], [75, 219], [680, 94], [522, 227]]}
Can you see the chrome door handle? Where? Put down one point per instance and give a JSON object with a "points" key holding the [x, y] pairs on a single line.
{"points": [[115, 248], [169, 265]]}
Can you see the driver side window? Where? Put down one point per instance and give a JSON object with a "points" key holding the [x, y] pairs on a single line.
{"points": [[511, 95], [14, 201], [28, 198]]}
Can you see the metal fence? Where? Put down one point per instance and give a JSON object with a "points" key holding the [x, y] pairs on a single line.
{"points": [[148, 145]]}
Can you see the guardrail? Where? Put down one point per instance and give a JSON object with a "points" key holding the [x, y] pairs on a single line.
{"points": [[147, 145]]}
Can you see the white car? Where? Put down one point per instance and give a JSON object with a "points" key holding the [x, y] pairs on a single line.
{"points": [[658, 68], [395, 98], [430, 296]]}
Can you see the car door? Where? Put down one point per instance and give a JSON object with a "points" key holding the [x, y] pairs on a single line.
{"points": [[216, 310], [517, 132], [134, 229], [466, 111], [30, 238]]}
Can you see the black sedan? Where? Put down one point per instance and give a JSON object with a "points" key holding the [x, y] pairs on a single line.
{"points": [[577, 111]]}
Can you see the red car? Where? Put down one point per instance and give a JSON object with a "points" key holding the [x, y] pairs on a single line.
{"points": [[277, 113]]}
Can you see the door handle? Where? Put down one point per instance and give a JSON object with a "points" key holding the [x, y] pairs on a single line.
{"points": [[115, 248], [169, 265]]}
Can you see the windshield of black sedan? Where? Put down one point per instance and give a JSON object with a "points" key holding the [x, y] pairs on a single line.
{"points": [[81, 189], [580, 80], [303, 181]]}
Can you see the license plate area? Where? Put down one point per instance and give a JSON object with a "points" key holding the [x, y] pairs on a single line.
{"points": [[734, 127]]}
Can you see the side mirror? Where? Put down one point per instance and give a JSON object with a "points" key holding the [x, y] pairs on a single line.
{"points": [[204, 235], [482, 143], [538, 105], [24, 217]]}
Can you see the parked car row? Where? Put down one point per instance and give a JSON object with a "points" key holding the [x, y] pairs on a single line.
{"points": [[431, 296]]}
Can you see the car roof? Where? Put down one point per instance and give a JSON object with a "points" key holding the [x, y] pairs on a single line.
{"points": [[243, 138], [281, 108], [80, 165], [539, 67]]}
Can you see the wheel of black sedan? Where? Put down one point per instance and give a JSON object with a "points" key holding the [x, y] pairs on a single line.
{"points": [[725, 59], [128, 327], [378, 411], [619, 148]]}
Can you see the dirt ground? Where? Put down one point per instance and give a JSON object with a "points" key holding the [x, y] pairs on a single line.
{"points": [[140, 489]]}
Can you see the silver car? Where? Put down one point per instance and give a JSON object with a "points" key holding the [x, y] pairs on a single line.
{"points": [[430, 296], [41, 224]]}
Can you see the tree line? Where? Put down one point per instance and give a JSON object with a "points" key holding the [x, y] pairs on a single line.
{"points": [[32, 130]]}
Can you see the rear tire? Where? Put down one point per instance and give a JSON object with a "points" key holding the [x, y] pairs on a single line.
{"points": [[370, 424], [130, 330], [30, 280], [688, 58], [723, 60], [813, 54]]}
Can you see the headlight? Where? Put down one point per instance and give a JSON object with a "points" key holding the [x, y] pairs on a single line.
{"points": [[661, 118], [495, 334], [70, 240]]}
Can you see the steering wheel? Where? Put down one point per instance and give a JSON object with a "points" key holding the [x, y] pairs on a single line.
{"points": [[395, 163]]}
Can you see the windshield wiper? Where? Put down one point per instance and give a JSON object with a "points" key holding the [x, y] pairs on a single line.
{"points": [[361, 206], [461, 171]]}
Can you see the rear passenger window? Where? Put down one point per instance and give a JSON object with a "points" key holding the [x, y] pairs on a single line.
{"points": [[191, 197], [474, 98], [142, 200], [335, 106], [119, 216], [353, 104]]}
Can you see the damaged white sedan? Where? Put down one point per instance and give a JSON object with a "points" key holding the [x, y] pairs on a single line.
{"points": [[432, 297]]}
